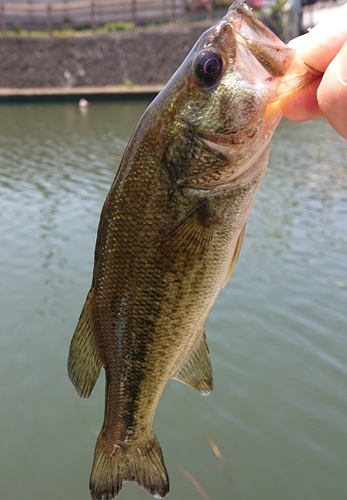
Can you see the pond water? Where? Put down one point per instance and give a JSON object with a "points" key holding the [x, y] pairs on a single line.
{"points": [[275, 426]]}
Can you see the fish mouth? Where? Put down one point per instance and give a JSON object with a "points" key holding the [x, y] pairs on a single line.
{"points": [[234, 140], [240, 148], [251, 174]]}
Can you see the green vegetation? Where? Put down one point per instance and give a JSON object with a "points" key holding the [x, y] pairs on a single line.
{"points": [[277, 15], [19, 30], [117, 26]]}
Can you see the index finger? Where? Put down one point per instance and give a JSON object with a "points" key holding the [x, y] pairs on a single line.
{"points": [[317, 48], [321, 44]]}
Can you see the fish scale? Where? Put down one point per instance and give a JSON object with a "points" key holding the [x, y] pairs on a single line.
{"points": [[169, 236]]}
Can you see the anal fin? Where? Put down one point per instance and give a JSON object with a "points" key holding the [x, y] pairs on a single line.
{"points": [[84, 364], [197, 369]]}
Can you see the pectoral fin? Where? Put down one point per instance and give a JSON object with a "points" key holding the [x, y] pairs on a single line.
{"points": [[235, 256], [185, 245], [197, 370], [84, 364]]}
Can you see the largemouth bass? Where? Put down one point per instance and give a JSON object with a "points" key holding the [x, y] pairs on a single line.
{"points": [[170, 233]]}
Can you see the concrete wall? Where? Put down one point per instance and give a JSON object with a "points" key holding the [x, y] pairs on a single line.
{"points": [[142, 56]]}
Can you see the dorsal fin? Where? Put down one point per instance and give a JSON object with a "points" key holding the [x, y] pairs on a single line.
{"points": [[197, 369], [84, 364]]}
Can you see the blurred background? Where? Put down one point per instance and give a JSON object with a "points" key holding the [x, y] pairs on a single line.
{"points": [[19, 15]]}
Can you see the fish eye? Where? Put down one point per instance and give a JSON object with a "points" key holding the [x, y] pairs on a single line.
{"points": [[208, 68]]}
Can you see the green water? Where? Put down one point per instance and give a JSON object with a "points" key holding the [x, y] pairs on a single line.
{"points": [[277, 334]]}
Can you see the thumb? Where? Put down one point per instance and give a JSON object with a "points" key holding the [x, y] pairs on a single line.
{"points": [[332, 92]]}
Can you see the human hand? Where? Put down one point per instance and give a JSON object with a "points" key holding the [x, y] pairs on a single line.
{"points": [[324, 48]]}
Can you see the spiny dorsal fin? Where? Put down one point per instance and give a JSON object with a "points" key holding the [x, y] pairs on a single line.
{"points": [[197, 369], [84, 364], [235, 256], [184, 246]]}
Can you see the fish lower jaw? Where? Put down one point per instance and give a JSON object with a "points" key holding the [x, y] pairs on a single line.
{"points": [[203, 192], [253, 171], [234, 143], [248, 175]]}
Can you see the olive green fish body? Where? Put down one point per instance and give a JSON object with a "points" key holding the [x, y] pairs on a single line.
{"points": [[169, 235]]}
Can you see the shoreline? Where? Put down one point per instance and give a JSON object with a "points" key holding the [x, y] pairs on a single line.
{"points": [[75, 93], [129, 64]]}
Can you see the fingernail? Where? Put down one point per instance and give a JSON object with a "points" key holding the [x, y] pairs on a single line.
{"points": [[341, 65]]}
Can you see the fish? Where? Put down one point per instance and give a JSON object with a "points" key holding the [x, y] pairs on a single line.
{"points": [[169, 235]]}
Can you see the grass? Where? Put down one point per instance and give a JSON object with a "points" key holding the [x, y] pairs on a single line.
{"points": [[19, 30]]}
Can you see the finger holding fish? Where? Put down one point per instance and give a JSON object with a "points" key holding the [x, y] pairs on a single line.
{"points": [[324, 49]]}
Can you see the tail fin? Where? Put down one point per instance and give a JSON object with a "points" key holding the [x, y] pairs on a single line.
{"points": [[140, 462]]}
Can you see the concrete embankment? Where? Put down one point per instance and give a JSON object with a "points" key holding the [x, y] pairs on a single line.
{"points": [[131, 61]]}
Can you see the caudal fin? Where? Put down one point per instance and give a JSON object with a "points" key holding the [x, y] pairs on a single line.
{"points": [[113, 464]]}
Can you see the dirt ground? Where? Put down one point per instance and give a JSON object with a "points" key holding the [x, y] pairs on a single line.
{"points": [[143, 56]]}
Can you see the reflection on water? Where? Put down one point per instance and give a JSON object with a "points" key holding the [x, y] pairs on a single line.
{"points": [[276, 424]]}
